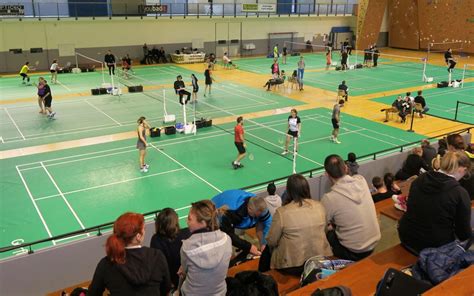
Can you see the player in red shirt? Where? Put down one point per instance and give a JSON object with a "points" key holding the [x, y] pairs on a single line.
{"points": [[239, 142]]}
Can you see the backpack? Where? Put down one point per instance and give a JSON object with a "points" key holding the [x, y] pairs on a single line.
{"points": [[396, 283], [439, 264], [318, 267], [333, 291]]}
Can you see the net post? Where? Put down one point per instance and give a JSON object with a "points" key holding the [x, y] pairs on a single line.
{"points": [[77, 63], [456, 113], [295, 145], [412, 119], [463, 75], [423, 78]]}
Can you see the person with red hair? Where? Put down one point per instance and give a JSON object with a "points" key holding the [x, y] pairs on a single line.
{"points": [[130, 269]]}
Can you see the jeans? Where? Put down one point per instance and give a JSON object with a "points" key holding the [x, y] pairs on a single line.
{"points": [[342, 252]]}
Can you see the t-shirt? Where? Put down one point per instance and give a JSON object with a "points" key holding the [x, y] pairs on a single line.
{"points": [[226, 59], [284, 51], [109, 58], [24, 69], [336, 111], [47, 91], [275, 50], [293, 123], [420, 100], [238, 131], [54, 67], [178, 84], [207, 74], [448, 56], [343, 87], [301, 64], [195, 82], [344, 57]]}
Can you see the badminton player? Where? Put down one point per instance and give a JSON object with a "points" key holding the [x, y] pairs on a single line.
{"points": [[301, 65], [344, 58], [142, 143], [450, 62], [208, 79], [294, 130], [194, 82], [24, 73], [239, 143], [41, 93], [54, 71], [328, 57], [336, 120], [48, 99]]}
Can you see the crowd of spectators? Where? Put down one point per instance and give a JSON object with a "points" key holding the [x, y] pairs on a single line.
{"points": [[344, 224]]}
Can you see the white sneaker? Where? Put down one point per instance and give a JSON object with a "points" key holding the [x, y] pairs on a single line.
{"points": [[144, 170], [52, 115], [147, 166], [337, 141], [285, 152]]}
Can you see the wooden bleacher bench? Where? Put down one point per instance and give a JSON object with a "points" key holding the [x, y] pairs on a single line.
{"points": [[68, 290], [462, 284], [286, 283], [363, 276]]}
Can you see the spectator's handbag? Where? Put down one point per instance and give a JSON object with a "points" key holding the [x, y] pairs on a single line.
{"points": [[170, 130], [155, 132], [395, 283]]}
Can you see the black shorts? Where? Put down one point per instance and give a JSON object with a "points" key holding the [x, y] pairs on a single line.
{"points": [[240, 147], [23, 75], [52, 71], [335, 124], [47, 101], [293, 133]]}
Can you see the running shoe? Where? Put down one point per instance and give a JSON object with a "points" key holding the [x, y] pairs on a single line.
{"points": [[285, 152]]}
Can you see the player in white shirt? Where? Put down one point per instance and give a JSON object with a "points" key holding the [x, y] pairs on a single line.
{"points": [[294, 130], [228, 61], [54, 71]]}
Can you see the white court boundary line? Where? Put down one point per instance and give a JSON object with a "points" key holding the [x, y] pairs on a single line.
{"points": [[35, 205], [63, 85], [109, 184], [186, 168], [14, 123], [101, 111], [63, 197]]}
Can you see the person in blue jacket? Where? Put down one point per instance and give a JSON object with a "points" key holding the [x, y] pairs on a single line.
{"points": [[239, 209]]}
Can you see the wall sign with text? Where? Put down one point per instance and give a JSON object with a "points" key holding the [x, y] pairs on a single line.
{"points": [[254, 7], [154, 8], [12, 10]]}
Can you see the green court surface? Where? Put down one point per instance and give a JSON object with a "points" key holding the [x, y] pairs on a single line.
{"points": [[21, 125], [389, 75], [69, 83], [442, 102], [53, 193]]}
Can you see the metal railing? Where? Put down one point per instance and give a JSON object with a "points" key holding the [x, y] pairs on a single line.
{"points": [[63, 9], [309, 173]]}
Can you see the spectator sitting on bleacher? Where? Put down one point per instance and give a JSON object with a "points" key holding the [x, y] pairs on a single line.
{"points": [[155, 54], [439, 209], [429, 152], [456, 143], [389, 181], [273, 200], [412, 165], [129, 268], [350, 211], [352, 165], [168, 239], [162, 55], [206, 254], [382, 191], [297, 232], [239, 209]]}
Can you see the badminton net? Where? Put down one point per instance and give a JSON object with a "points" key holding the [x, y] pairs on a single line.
{"points": [[441, 47], [301, 47], [88, 64], [129, 78], [464, 112]]}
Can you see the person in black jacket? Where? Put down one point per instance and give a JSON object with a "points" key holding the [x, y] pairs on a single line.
{"points": [[412, 165], [109, 60], [168, 239], [455, 142], [439, 209], [180, 90], [130, 269]]}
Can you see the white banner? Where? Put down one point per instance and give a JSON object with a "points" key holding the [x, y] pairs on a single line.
{"points": [[254, 7]]}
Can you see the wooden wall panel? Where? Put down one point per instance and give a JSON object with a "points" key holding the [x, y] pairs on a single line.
{"points": [[447, 20], [403, 24], [370, 19]]}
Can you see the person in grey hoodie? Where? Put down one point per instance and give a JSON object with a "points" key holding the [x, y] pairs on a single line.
{"points": [[273, 200], [350, 213], [206, 254]]}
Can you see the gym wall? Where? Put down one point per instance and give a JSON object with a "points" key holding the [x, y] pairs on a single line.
{"points": [[415, 23], [94, 37]]}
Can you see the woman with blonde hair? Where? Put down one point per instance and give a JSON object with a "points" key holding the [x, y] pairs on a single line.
{"points": [[206, 254], [129, 268], [439, 208]]}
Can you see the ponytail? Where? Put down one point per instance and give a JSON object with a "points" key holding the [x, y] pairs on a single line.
{"points": [[126, 227], [206, 211]]}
